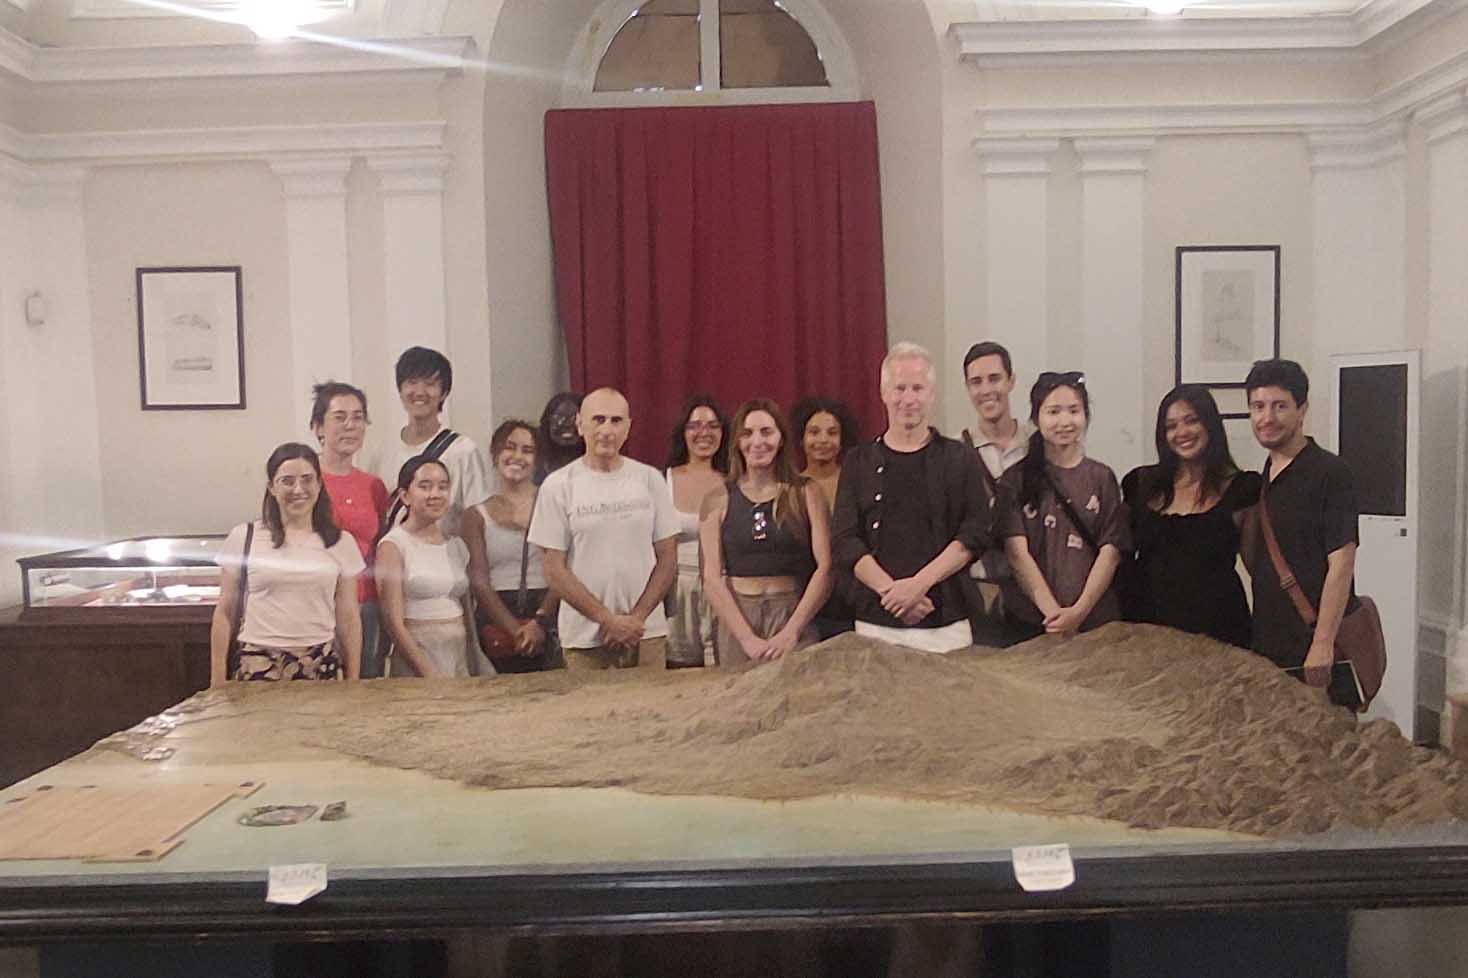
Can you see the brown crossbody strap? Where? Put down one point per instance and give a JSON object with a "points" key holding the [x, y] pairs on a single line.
{"points": [[1281, 569]]}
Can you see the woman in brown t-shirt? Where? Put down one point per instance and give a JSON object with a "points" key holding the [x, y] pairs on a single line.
{"points": [[1063, 522]]}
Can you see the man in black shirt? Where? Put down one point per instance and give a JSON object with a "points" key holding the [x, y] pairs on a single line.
{"points": [[1312, 507], [911, 514]]}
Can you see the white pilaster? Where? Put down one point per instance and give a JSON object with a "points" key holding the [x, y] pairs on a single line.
{"points": [[413, 252], [1359, 259], [50, 492], [1444, 365], [316, 243], [1113, 191], [1016, 199]]}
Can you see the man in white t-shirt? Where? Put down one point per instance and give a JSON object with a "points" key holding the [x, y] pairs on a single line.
{"points": [[609, 531], [425, 378]]}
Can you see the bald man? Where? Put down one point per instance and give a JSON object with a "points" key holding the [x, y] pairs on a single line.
{"points": [[609, 531]]}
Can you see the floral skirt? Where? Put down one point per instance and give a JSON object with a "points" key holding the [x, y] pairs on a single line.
{"points": [[258, 663]]}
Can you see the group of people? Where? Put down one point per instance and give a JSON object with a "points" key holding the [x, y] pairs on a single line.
{"points": [[763, 535]]}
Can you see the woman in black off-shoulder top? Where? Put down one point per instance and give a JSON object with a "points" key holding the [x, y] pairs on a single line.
{"points": [[1185, 513]]}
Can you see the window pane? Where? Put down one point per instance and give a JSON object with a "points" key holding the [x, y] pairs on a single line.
{"points": [[762, 46], [654, 50]]}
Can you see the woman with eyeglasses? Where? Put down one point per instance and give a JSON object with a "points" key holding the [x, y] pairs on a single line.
{"points": [[299, 619], [698, 458], [358, 499], [422, 576], [1185, 515], [560, 443], [1063, 522], [766, 542]]}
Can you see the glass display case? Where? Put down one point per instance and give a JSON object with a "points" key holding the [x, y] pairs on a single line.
{"points": [[143, 572]]}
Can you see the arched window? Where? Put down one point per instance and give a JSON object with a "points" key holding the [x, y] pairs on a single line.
{"points": [[696, 51]]}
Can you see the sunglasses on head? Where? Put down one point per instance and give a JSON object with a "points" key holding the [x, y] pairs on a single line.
{"points": [[1070, 378]]}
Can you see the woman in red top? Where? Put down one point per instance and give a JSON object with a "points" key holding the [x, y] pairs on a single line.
{"points": [[358, 499]]}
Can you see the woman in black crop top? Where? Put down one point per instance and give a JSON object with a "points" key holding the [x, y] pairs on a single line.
{"points": [[766, 544]]}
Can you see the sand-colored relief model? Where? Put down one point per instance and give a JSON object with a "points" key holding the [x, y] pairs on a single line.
{"points": [[1135, 723]]}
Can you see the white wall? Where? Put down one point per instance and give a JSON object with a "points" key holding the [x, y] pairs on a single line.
{"points": [[188, 471]]}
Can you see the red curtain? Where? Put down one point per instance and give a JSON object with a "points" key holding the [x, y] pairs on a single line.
{"points": [[735, 250]]}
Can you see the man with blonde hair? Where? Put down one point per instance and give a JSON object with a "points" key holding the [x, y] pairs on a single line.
{"points": [[911, 514]]}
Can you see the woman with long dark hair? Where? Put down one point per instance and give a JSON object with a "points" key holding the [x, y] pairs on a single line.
{"points": [[1185, 513], [506, 571], [300, 617], [1065, 528], [766, 544], [698, 458], [422, 578], [826, 430]]}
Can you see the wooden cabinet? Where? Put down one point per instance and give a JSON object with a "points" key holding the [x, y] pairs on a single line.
{"points": [[73, 677]]}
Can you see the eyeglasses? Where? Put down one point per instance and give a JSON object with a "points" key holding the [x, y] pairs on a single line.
{"points": [[289, 482], [693, 427], [1070, 378], [342, 418]]}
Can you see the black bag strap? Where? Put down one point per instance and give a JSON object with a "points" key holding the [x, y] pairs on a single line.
{"points": [[238, 620], [520, 599], [1072, 515], [433, 450], [990, 483]]}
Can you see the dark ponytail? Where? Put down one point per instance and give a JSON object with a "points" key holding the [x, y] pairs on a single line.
{"points": [[1032, 472]]}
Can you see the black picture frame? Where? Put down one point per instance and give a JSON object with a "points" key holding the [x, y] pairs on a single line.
{"points": [[191, 338], [1254, 319]]}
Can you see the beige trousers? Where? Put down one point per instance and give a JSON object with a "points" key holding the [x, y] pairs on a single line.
{"points": [[766, 614], [651, 653]]}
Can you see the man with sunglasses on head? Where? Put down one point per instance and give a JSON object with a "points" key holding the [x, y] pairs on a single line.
{"points": [[1000, 440], [911, 513]]}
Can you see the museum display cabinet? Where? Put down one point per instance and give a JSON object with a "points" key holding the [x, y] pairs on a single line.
{"points": [[104, 637], [132, 576]]}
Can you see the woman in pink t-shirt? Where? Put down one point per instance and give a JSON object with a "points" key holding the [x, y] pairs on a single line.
{"points": [[299, 619], [359, 500]]}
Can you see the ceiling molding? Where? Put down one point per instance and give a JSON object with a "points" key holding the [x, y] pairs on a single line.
{"points": [[431, 56], [1358, 148], [1368, 119], [1188, 40], [1156, 120], [273, 143], [129, 10], [1008, 156]]}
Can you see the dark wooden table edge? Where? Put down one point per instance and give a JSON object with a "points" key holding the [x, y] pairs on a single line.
{"points": [[733, 899]]}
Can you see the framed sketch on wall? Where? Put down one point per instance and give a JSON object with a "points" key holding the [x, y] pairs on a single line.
{"points": [[1227, 311], [191, 341]]}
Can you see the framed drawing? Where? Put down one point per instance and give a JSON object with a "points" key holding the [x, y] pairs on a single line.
{"points": [[1233, 401], [191, 341], [1227, 311]]}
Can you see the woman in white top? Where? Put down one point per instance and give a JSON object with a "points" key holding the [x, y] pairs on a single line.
{"points": [[698, 458], [501, 560], [300, 617], [422, 577]]}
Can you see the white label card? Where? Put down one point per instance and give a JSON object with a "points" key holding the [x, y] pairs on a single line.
{"points": [[291, 885], [1040, 869]]}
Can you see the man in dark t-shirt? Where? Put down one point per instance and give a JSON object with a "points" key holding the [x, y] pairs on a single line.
{"points": [[912, 512], [1312, 507]]}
